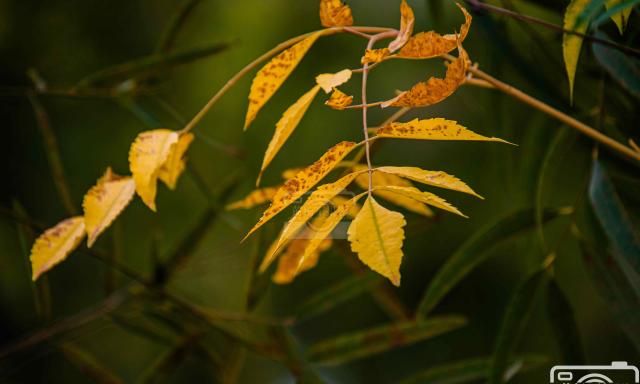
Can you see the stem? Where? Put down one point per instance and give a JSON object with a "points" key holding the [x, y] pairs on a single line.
{"points": [[586, 130], [481, 5], [280, 47]]}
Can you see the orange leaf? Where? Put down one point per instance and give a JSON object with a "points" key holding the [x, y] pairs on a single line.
{"points": [[257, 197], [334, 13], [339, 100], [407, 21]]}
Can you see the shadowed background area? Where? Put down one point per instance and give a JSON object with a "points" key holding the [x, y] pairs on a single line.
{"points": [[163, 295]]}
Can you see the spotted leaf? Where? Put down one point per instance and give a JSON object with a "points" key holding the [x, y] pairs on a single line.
{"points": [[339, 100], [407, 20], [432, 129], [55, 244], [334, 13], [424, 197], [434, 178]]}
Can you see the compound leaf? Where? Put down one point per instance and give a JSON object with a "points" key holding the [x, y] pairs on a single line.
{"points": [[433, 178]]}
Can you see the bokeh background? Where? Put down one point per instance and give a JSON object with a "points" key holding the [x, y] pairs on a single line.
{"points": [[146, 339]]}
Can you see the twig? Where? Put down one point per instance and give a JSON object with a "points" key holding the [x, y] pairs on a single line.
{"points": [[615, 146], [53, 154], [478, 4], [177, 22]]}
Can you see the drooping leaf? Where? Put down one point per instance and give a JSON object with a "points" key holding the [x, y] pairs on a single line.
{"points": [[616, 222], [316, 200], [407, 20], [334, 13], [470, 370], [514, 323], [376, 235], [273, 75], [329, 81], [336, 294], [434, 90], [624, 69], [104, 202], [339, 100], [286, 125], [476, 250], [171, 170], [432, 129], [621, 17], [303, 181], [55, 244], [254, 198], [434, 178], [564, 325], [375, 55], [357, 345], [147, 155], [426, 45], [572, 44], [424, 197], [381, 179]]}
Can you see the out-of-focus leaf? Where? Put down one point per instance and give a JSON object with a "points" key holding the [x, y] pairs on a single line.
{"points": [[334, 13], [624, 69], [329, 81], [169, 362], [564, 325], [470, 370], [572, 44], [432, 129], [619, 11], [254, 198], [423, 197], [55, 244], [514, 323], [269, 79], [476, 250], [338, 293], [150, 64], [617, 225], [88, 365], [376, 235], [376, 340], [407, 21]]}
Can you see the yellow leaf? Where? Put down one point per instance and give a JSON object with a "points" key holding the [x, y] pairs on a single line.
{"points": [[257, 197], [380, 179], [285, 127], [407, 21], [432, 129], [376, 235], [375, 55], [339, 200], [339, 100], [55, 244], [316, 200], [334, 13], [273, 75], [434, 178], [621, 18], [175, 164], [434, 90], [104, 202], [571, 44], [324, 229], [424, 197], [291, 263], [290, 173], [426, 45], [303, 181], [328, 81], [147, 155]]}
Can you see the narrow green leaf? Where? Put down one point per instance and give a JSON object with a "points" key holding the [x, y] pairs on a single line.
{"points": [[471, 370], [564, 325], [621, 7], [89, 366], [376, 340], [337, 294], [514, 323], [149, 64], [576, 18], [475, 251], [617, 225], [624, 69]]}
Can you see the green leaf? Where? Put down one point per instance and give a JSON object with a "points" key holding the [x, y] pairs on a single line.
{"points": [[624, 69], [564, 325], [619, 11], [376, 340], [514, 323], [470, 370], [475, 251], [615, 221], [576, 18], [337, 294]]}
